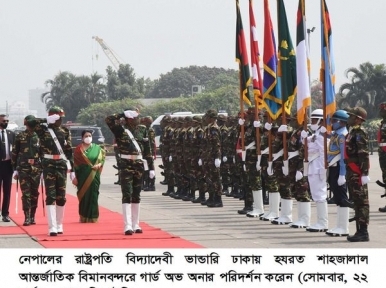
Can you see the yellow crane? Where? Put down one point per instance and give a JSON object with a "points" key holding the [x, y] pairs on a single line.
{"points": [[109, 52]]}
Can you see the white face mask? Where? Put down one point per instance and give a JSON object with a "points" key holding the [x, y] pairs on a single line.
{"points": [[87, 140], [314, 127]]}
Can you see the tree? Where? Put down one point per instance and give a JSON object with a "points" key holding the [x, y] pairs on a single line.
{"points": [[367, 87]]}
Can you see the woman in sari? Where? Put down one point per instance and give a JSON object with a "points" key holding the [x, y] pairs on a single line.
{"points": [[88, 163]]}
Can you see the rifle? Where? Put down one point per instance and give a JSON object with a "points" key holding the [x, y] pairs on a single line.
{"points": [[17, 194], [42, 187]]}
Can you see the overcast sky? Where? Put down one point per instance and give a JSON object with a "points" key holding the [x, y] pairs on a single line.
{"points": [[39, 38]]}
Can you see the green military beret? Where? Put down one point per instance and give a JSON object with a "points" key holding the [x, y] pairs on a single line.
{"points": [[56, 110], [30, 120]]}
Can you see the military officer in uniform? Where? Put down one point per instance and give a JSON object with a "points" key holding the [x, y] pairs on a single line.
{"points": [[382, 147], [357, 177], [133, 143], [56, 149], [27, 168]]}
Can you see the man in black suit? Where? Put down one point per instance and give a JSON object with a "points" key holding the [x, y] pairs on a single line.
{"points": [[7, 138]]}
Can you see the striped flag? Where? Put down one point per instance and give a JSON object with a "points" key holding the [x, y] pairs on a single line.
{"points": [[286, 71], [257, 82], [327, 71], [271, 93], [242, 57], [302, 65]]}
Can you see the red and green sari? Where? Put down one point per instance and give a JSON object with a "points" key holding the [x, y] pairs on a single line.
{"points": [[88, 180]]}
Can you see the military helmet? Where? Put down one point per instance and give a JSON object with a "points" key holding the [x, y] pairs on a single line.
{"points": [[222, 117], [56, 110], [317, 113], [188, 119], [359, 112], [30, 121], [197, 119], [211, 113], [340, 115], [147, 120]]}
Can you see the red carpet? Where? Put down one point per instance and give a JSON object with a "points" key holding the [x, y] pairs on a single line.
{"points": [[107, 233]]}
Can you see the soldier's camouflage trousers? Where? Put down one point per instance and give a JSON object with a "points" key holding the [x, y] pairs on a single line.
{"points": [[382, 164], [29, 179], [360, 197], [300, 189], [55, 180], [131, 180], [212, 177]]}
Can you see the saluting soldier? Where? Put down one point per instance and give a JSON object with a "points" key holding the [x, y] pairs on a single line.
{"points": [[133, 144], [357, 163], [56, 149], [27, 168]]}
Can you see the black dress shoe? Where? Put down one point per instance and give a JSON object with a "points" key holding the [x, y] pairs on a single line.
{"points": [[6, 219], [138, 231], [129, 232]]}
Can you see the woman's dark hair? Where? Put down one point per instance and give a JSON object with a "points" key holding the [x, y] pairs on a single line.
{"points": [[86, 131]]}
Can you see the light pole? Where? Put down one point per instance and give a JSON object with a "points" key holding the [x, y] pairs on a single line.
{"points": [[309, 68]]}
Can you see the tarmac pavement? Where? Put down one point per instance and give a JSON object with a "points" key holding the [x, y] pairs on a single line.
{"points": [[223, 227]]}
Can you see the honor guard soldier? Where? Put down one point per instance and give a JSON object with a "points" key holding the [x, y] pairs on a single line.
{"points": [[357, 164], [55, 144], [149, 183], [27, 168], [337, 172], [133, 143], [382, 149]]}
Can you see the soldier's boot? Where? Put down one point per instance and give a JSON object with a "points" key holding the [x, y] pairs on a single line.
{"points": [[151, 186], [273, 212], [27, 218], [237, 191], [225, 189], [321, 224], [190, 195], [382, 209], [247, 207], [304, 215], [200, 198], [217, 202], [258, 207], [209, 200], [169, 191], [135, 207], [33, 212], [51, 218], [59, 218], [285, 213], [127, 220], [362, 235], [341, 229], [181, 192]]}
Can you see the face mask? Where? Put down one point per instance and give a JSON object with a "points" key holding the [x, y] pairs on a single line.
{"points": [[87, 140], [4, 125], [314, 127], [336, 125]]}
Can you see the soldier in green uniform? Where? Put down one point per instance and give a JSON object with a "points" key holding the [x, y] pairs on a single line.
{"points": [[133, 144], [149, 183], [167, 134], [224, 168], [382, 146], [57, 160], [27, 168], [357, 173]]}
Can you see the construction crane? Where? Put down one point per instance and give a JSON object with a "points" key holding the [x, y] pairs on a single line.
{"points": [[109, 52]]}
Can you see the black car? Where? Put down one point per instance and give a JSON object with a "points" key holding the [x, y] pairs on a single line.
{"points": [[76, 135]]}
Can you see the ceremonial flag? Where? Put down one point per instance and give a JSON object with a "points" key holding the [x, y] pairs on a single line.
{"points": [[302, 65], [286, 71], [242, 57], [271, 95], [327, 72], [257, 82]]}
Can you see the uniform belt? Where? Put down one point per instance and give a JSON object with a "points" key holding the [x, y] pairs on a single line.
{"points": [[382, 144], [53, 157], [131, 157], [333, 165], [292, 154]]}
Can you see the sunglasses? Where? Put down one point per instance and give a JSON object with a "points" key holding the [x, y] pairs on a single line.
{"points": [[5, 121]]}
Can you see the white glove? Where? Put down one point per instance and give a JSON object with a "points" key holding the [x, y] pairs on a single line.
{"points": [[269, 169], [257, 124], [241, 121], [151, 174], [41, 177], [52, 118], [72, 175], [258, 167], [285, 168], [217, 162], [341, 180], [365, 180], [323, 129], [323, 174], [267, 126], [15, 175], [224, 159], [304, 134], [170, 158], [298, 176], [245, 168], [199, 162], [283, 128], [234, 160]]}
